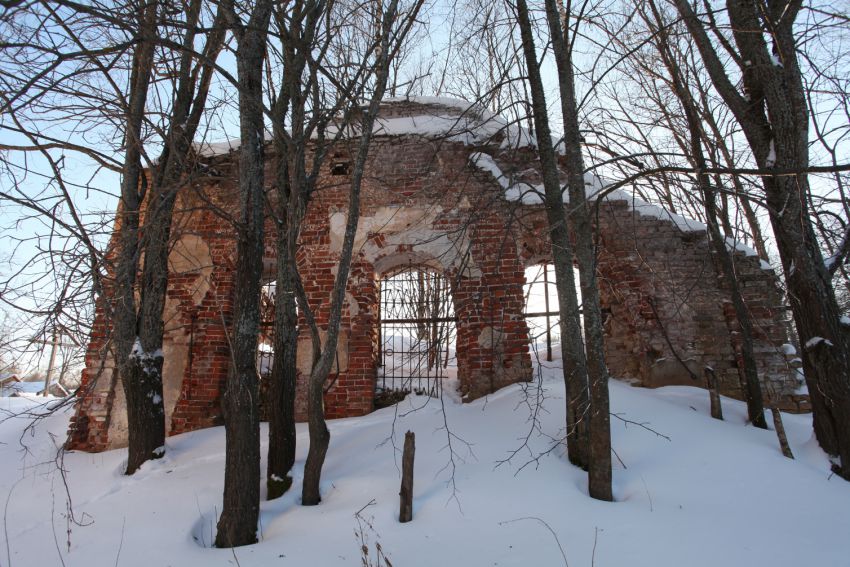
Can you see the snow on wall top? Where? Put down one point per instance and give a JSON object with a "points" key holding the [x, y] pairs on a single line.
{"points": [[443, 118], [448, 102], [533, 194], [447, 119], [458, 120], [207, 149]]}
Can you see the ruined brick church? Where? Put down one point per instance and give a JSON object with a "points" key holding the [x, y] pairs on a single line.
{"points": [[451, 192]]}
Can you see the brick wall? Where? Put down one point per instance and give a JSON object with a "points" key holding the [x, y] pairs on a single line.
{"points": [[424, 203]]}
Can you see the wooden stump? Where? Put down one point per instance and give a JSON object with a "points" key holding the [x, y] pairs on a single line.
{"points": [[405, 513]]}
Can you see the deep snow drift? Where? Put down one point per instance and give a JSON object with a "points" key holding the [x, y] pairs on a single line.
{"points": [[715, 493]]}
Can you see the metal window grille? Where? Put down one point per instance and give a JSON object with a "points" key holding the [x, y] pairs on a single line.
{"points": [[541, 305], [542, 312], [417, 332]]}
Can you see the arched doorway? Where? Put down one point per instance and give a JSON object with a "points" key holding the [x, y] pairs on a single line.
{"points": [[417, 334]]}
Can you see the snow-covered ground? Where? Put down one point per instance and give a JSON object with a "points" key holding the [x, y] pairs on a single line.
{"points": [[714, 494]]}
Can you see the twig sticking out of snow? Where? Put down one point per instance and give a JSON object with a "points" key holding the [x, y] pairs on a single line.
{"points": [[641, 424], [548, 527]]}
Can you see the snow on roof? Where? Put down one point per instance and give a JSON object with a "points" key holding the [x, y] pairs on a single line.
{"points": [[33, 389], [448, 119], [682, 223], [533, 194], [450, 128]]}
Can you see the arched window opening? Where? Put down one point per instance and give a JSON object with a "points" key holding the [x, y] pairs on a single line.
{"points": [[417, 334]]}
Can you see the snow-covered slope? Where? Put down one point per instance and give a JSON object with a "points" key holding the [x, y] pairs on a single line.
{"points": [[715, 493]]}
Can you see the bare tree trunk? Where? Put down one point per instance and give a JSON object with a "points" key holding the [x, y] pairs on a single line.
{"points": [[282, 440], [575, 365], [752, 384], [299, 22], [144, 436], [240, 512], [319, 434], [146, 369], [599, 465], [780, 432]]}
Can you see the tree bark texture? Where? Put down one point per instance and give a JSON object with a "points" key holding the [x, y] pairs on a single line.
{"points": [[144, 439], [780, 432], [774, 117], [145, 368], [282, 440], [713, 393], [240, 512]]}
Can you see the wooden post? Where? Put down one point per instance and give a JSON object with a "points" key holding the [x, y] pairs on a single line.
{"points": [[711, 384], [405, 513], [47, 378], [780, 432]]}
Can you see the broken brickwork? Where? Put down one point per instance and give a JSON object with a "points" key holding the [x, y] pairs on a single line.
{"points": [[435, 194]]}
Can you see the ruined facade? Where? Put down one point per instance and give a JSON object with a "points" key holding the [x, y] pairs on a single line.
{"points": [[453, 189]]}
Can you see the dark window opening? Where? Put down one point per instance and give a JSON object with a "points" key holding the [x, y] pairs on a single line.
{"points": [[340, 168]]}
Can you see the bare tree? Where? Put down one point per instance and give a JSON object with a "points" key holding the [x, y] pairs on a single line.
{"points": [[588, 358], [300, 26], [146, 437], [562, 29], [56, 96], [82, 56], [774, 116], [391, 26], [240, 512], [693, 148], [73, 62], [191, 83], [328, 65], [825, 70]]}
